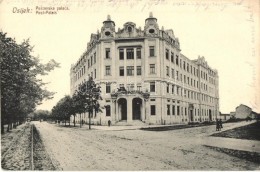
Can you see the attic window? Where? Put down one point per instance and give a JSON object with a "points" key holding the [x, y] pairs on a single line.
{"points": [[151, 30], [107, 33], [129, 29]]}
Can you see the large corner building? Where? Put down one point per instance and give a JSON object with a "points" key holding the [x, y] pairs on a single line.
{"points": [[144, 76]]}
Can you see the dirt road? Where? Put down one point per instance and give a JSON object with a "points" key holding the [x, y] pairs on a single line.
{"points": [[83, 149]]}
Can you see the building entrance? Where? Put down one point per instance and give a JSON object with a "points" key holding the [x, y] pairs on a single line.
{"points": [[191, 115], [122, 105], [136, 105], [210, 115]]}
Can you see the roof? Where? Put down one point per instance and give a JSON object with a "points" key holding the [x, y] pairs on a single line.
{"points": [[243, 105]]}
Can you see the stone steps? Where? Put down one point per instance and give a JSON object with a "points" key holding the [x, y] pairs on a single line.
{"points": [[132, 123]]}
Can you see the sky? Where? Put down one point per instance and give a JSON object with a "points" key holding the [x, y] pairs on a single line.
{"points": [[226, 33]]}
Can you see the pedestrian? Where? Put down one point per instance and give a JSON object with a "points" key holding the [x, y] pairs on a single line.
{"points": [[220, 124], [109, 123], [217, 125]]}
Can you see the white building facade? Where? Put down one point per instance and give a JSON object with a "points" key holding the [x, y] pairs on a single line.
{"points": [[143, 76]]}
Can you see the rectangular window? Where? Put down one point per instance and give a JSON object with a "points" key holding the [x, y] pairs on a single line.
{"points": [[130, 70], [167, 54], [167, 71], [173, 109], [88, 63], [95, 73], [130, 53], [167, 88], [91, 60], [152, 86], [121, 86], [130, 87], [168, 109], [139, 87], [108, 70], [152, 68], [172, 57], [151, 51], [177, 60], [121, 71], [172, 73], [153, 109], [178, 110], [108, 110], [172, 89], [108, 88], [138, 53], [138, 70], [107, 53], [177, 75], [95, 58], [121, 54], [187, 67]]}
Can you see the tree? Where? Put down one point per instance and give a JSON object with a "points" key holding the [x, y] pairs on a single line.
{"points": [[40, 115], [62, 110], [21, 90], [85, 99], [91, 96]]}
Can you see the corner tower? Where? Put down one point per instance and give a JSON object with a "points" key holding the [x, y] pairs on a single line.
{"points": [[151, 27], [108, 28]]}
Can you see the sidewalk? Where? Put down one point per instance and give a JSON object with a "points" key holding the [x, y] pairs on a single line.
{"points": [[120, 128], [230, 143], [133, 127]]}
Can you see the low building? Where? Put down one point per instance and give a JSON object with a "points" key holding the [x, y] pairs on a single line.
{"points": [[243, 111], [232, 114], [224, 116]]}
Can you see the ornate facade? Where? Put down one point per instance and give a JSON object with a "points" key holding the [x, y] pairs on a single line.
{"points": [[144, 76]]}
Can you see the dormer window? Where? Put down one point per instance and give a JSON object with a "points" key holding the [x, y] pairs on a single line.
{"points": [[129, 29]]}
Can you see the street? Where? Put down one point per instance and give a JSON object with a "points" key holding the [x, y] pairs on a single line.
{"points": [[83, 149]]}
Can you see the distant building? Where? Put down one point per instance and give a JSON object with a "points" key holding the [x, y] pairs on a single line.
{"points": [[255, 115], [144, 76], [243, 111], [224, 116], [232, 114]]}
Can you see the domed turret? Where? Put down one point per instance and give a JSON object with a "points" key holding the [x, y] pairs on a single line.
{"points": [[151, 27], [108, 27]]}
